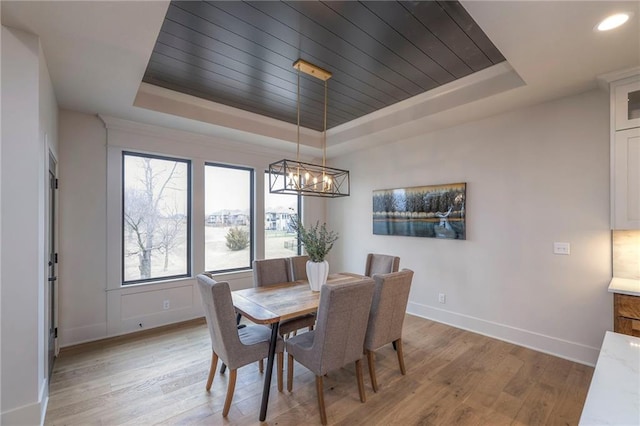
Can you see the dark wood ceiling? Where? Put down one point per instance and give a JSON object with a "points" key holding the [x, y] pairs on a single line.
{"points": [[241, 54]]}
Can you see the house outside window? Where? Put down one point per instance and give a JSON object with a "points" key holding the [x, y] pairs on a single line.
{"points": [[229, 214], [279, 239]]}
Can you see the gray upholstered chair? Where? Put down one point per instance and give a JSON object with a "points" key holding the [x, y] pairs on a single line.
{"points": [[235, 347], [298, 271], [381, 264], [275, 271], [387, 316], [338, 338], [270, 271], [298, 267]]}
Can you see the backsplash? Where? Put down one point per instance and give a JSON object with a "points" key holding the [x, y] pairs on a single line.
{"points": [[626, 254]]}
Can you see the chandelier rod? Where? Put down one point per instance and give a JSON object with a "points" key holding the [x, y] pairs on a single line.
{"points": [[298, 119], [324, 127]]}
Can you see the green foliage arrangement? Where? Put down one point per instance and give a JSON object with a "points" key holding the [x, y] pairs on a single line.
{"points": [[237, 239], [317, 240]]}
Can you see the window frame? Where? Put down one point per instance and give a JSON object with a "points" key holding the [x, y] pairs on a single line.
{"points": [[252, 234], [189, 260]]}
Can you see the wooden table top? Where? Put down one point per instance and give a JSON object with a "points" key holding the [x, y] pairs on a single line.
{"points": [[266, 305]]}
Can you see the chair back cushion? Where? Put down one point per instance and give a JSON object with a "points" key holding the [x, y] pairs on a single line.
{"points": [[298, 268], [388, 308], [381, 264], [270, 271], [340, 326], [220, 315]]}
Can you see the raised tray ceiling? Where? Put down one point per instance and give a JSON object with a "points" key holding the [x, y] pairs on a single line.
{"points": [[241, 54]]}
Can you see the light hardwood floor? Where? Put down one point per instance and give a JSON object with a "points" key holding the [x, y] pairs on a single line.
{"points": [[453, 377]]}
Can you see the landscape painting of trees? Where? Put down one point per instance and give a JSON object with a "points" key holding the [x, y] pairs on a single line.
{"points": [[435, 211]]}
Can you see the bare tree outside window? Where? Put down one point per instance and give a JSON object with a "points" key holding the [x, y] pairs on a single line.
{"points": [[155, 217]]}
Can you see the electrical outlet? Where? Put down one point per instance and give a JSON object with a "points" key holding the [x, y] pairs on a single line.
{"points": [[442, 298], [562, 248], [166, 304]]}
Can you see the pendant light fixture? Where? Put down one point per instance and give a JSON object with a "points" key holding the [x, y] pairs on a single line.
{"points": [[300, 178]]}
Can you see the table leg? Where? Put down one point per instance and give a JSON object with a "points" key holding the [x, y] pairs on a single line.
{"points": [[267, 376]]}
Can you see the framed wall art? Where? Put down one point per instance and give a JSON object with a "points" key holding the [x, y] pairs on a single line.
{"points": [[434, 211]]}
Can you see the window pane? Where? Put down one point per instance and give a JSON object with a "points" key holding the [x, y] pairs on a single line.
{"points": [[228, 212], [279, 238], [156, 218]]}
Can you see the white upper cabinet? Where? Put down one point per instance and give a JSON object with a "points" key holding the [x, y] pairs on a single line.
{"points": [[625, 208], [625, 151], [627, 105]]}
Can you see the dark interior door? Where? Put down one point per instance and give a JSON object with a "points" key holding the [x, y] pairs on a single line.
{"points": [[53, 260]]}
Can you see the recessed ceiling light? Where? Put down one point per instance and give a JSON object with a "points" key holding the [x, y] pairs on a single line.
{"points": [[613, 21]]}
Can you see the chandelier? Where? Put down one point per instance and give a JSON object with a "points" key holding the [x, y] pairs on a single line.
{"points": [[300, 178]]}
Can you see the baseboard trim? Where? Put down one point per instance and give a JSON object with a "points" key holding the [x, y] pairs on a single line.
{"points": [[86, 333], [30, 414], [44, 400], [571, 351], [81, 346]]}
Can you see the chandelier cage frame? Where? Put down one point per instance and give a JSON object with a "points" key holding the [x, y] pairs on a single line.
{"points": [[298, 177]]}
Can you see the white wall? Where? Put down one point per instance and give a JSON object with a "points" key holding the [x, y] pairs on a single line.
{"points": [[1, 32], [93, 304], [29, 113], [82, 248], [534, 176]]}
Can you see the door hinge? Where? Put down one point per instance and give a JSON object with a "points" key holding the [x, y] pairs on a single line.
{"points": [[55, 332], [55, 257], [55, 183]]}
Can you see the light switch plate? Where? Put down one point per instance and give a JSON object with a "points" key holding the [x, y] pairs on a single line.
{"points": [[562, 248]]}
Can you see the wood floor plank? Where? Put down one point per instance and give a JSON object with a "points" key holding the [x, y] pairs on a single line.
{"points": [[454, 377], [569, 403], [537, 405], [533, 365]]}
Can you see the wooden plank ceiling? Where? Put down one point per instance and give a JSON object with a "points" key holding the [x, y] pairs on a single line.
{"points": [[380, 52]]}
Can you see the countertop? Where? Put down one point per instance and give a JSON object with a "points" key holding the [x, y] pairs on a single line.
{"points": [[625, 286], [614, 394]]}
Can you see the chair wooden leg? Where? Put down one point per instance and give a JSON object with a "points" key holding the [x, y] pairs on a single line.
{"points": [[400, 356], [363, 397], [320, 392], [280, 368], [231, 387], [289, 372], [372, 370], [261, 366], [212, 370]]}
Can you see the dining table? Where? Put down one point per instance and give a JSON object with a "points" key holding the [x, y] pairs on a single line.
{"points": [[269, 305]]}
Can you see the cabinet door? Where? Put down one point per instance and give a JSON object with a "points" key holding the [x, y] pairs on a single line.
{"points": [[626, 180], [627, 105]]}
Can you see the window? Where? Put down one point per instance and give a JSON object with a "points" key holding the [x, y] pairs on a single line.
{"points": [[156, 218], [279, 239], [228, 218]]}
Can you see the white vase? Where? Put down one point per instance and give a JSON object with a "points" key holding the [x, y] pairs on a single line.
{"points": [[317, 273]]}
